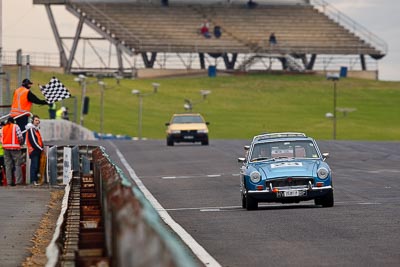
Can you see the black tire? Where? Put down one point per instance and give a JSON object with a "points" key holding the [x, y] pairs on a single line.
{"points": [[326, 201], [317, 201], [170, 142], [251, 203], [244, 201], [204, 143]]}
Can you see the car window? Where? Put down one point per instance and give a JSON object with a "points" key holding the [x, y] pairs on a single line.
{"points": [[187, 119], [292, 149]]}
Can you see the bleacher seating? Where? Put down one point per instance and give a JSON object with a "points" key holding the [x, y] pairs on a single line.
{"points": [[300, 29]]}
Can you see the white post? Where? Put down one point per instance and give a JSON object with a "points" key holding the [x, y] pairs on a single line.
{"points": [[67, 165]]}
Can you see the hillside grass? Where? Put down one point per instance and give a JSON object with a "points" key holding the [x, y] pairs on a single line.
{"points": [[242, 106]]}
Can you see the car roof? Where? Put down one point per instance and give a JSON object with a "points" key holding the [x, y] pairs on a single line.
{"points": [[186, 114], [279, 136]]}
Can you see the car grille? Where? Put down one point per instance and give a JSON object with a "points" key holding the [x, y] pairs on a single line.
{"points": [[189, 132], [290, 181]]}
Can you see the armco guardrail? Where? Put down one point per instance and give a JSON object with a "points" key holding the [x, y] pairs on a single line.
{"points": [[134, 233]]}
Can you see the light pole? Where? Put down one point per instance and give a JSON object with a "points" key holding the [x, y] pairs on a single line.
{"points": [[102, 87], [81, 79], [140, 96], [335, 78], [189, 103]]}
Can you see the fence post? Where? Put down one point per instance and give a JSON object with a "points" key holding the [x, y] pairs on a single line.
{"points": [[85, 165], [75, 160], [52, 165]]}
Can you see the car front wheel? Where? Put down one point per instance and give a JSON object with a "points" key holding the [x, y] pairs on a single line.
{"points": [[244, 202], [170, 142], [326, 201], [251, 203]]}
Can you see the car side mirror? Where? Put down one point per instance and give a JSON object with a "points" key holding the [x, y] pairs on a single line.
{"points": [[167, 124], [246, 148], [325, 156], [241, 160], [207, 123]]}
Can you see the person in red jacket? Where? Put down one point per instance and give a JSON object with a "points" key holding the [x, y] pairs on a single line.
{"points": [[22, 103], [11, 137], [34, 143], [204, 29]]}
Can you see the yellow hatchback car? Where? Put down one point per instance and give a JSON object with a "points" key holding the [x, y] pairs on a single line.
{"points": [[188, 128]]}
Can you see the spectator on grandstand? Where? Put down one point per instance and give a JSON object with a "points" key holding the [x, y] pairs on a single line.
{"points": [[205, 23], [251, 4], [204, 29], [217, 31], [272, 39]]}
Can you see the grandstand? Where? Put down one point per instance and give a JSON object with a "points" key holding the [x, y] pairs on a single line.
{"points": [[305, 30]]}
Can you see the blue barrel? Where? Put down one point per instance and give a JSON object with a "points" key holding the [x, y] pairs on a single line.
{"points": [[212, 71], [343, 72]]}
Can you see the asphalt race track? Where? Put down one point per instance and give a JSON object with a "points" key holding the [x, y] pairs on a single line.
{"points": [[199, 187]]}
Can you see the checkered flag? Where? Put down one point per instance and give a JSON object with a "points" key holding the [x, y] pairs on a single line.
{"points": [[54, 91]]}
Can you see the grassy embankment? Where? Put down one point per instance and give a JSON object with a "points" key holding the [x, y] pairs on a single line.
{"points": [[242, 106]]}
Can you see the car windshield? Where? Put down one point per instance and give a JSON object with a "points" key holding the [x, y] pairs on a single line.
{"points": [[284, 149], [187, 119]]}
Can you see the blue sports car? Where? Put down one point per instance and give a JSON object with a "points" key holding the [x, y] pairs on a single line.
{"points": [[286, 168]]}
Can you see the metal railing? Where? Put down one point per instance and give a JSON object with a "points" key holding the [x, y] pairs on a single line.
{"points": [[190, 61], [38, 58], [109, 22], [131, 225], [5, 117], [351, 25]]}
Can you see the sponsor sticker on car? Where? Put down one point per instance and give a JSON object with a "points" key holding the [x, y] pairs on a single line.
{"points": [[286, 164]]}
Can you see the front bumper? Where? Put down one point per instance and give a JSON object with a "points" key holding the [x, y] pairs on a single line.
{"points": [[188, 137], [287, 194]]}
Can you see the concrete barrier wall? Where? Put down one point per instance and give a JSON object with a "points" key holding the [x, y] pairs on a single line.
{"points": [[58, 130]]}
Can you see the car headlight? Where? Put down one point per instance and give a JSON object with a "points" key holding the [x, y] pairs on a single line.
{"points": [[175, 132], [255, 176], [202, 131], [322, 173]]}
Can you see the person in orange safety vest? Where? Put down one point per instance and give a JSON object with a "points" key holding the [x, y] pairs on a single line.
{"points": [[22, 103], [34, 143], [11, 137]]}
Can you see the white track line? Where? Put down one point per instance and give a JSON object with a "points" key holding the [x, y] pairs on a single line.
{"points": [[198, 250], [207, 208], [191, 176], [383, 171], [197, 176]]}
